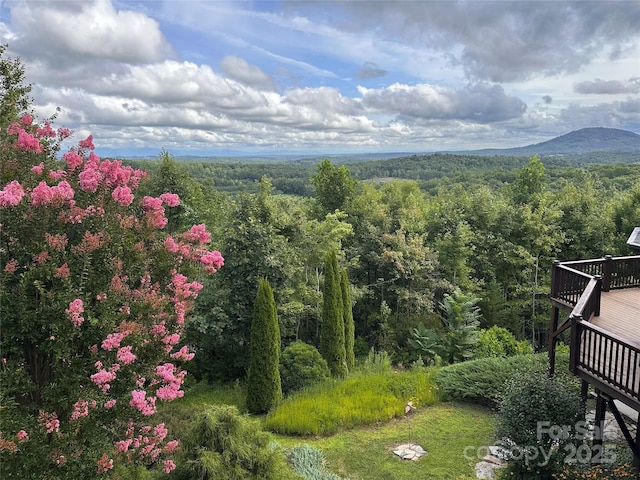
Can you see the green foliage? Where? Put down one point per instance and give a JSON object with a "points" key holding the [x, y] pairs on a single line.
{"points": [[499, 342], [332, 334], [263, 383], [93, 301], [223, 445], [309, 462], [14, 99], [349, 328], [530, 399], [376, 362], [459, 335], [301, 365], [333, 186], [362, 399], [484, 380]]}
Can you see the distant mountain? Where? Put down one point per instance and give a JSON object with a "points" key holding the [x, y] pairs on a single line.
{"points": [[585, 140]]}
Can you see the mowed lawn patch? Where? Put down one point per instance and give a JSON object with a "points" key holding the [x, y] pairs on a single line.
{"points": [[451, 433]]}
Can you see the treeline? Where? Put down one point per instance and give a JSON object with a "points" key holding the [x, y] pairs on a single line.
{"points": [[293, 176], [404, 248]]}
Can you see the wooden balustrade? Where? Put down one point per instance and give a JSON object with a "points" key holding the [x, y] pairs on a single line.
{"points": [[598, 354]]}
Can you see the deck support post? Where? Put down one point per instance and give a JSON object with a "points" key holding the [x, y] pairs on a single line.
{"points": [[636, 458], [553, 340], [598, 421]]}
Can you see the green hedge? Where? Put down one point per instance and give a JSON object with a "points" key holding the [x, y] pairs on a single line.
{"points": [[483, 381]]}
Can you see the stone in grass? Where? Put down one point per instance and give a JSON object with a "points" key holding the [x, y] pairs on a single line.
{"points": [[409, 451]]}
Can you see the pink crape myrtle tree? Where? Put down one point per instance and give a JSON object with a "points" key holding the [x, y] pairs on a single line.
{"points": [[94, 295]]}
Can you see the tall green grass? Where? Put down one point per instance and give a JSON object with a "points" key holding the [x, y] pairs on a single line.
{"points": [[361, 399]]}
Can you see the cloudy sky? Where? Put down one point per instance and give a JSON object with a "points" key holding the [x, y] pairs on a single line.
{"points": [[247, 77]]}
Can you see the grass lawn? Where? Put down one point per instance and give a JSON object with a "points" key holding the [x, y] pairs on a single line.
{"points": [[444, 430]]}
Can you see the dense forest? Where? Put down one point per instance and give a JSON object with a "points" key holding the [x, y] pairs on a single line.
{"points": [[409, 231]]}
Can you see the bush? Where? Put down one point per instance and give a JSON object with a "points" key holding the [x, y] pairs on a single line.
{"points": [[484, 380], [308, 461], [221, 444], [264, 389], [376, 362], [532, 398], [301, 366], [499, 342]]}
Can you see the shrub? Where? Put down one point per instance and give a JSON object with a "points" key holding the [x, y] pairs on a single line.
{"points": [[221, 444], [332, 329], [309, 462], [263, 382], [376, 362], [301, 365], [529, 399], [499, 342], [95, 294], [483, 380]]}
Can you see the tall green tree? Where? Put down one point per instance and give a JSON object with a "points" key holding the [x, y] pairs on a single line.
{"points": [[14, 93], [264, 389], [334, 187], [349, 328], [332, 331]]}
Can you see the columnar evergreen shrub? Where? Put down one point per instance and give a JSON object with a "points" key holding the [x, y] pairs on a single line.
{"points": [[301, 365], [349, 327], [263, 383], [332, 331], [93, 302]]}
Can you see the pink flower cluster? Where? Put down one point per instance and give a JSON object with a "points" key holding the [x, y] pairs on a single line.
{"points": [[154, 212], [183, 354], [113, 340], [173, 381], [75, 311], [49, 421], [148, 443], [123, 196], [125, 355], [22, 436], [146, 406], [104, 377], [109, 173], [104, 463], [81, 409], [43, 194], [28, 142], [56, 242], [197, 235], [11, 195]]}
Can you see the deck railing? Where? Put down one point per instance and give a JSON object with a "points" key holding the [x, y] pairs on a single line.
{"points": [[598, 356]]}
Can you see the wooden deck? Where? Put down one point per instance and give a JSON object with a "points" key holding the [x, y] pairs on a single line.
{"points": [[620, 314], [610, 354]]}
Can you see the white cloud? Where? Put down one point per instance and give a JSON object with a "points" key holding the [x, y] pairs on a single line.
{"points": [[480, 102], [240, 70], [84, 30]]}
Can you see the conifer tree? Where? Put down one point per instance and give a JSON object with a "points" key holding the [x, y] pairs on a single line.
{"points": [[332, 332], [349, 328], [264, 389]]}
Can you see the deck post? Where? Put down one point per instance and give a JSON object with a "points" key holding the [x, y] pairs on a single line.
{"points": [[598, 421], [574, 346], [607, 269], [553, 340], [596, 310]]}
